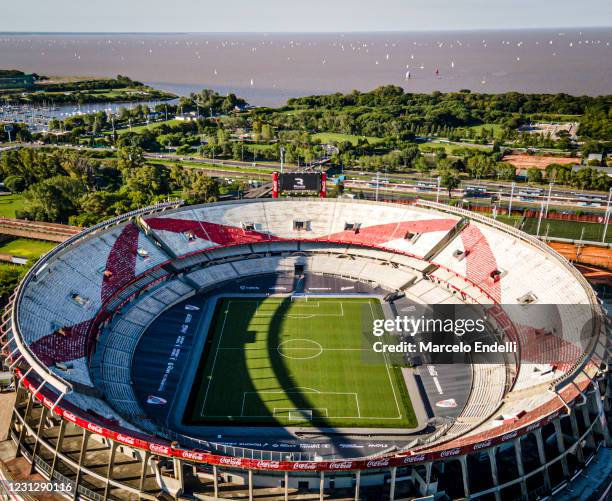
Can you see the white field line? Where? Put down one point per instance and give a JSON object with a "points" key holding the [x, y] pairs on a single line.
{"points": [[212, 370], [307, 304], [244, 396], [386, 358], [289, 349], [301, 415]]}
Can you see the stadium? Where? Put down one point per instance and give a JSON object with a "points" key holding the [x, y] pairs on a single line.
{"points": [[217, 351]]}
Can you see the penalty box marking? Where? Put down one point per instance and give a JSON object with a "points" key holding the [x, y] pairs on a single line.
{"points": [[305, 303], [246, 393]]}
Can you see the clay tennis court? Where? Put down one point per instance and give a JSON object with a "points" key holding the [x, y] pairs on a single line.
{"points": [[523, 161]]}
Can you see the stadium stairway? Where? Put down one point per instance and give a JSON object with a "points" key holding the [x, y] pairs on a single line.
{"points": [[446, 239], [154, 238]]}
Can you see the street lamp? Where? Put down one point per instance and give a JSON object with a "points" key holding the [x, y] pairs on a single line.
{"points": [[540, 218], [548, 199], [607, 218], [511, 196], [438, 190]]}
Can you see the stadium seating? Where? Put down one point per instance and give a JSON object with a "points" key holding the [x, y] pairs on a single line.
{"points": [[265, 265], [488, 386], [323, 247], [526, 270], [213, 275], [67, 294], [148, 255], [203, 227], [119, 340], [428, 292], [381, 244]]}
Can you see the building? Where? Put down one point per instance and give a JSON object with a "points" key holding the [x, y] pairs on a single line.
{"points": [[605, 170], [595, 158]]}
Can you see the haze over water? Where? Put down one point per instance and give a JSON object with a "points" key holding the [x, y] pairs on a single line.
{"points": [[266, 69]]}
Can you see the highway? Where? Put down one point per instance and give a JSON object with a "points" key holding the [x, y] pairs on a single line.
{"points": [[399, 183]]}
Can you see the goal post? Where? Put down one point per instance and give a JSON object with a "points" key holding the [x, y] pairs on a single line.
{"points": [[300, 415], [294, 414]]}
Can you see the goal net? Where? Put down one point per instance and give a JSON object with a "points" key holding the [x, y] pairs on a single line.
{"points": [[300, 415]]}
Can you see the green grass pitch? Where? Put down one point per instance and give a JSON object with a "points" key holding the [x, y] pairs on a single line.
{"points": [[285, 361]]}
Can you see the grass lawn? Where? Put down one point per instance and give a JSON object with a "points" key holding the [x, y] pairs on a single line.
{"points": [[328, 137], [151, 126], [560, 228], [449, 148], [296, 362], [556, 117], [260, 146], [217, 167], [427, 147], [24, 247], [9, 204], [476, 129]]}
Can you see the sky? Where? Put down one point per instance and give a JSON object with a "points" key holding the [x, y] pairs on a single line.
{"points": [[297, 15]]}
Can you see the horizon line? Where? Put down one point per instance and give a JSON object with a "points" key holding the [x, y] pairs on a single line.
{"points": [[305, 32]]}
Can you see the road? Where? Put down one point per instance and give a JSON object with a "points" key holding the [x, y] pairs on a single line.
{"points": [[595, 202], [405, 183]]}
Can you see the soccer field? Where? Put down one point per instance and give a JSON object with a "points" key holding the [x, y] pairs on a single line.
{"points": [[296, 362]]}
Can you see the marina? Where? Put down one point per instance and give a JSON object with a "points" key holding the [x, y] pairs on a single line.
{"points": [[37, 118]]}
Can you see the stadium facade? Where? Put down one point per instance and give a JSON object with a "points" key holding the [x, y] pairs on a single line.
{"points": [[526, 429]]}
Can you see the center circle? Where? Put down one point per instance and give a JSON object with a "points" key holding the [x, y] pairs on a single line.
{"points": [[299, 349]]}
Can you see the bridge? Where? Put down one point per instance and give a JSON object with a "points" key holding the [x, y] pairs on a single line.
{"points": [[37, 230]]}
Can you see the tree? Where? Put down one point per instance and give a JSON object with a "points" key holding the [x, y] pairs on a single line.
{"points": [[15, 184], [178, 177], [184, 149], [54, 124], [266, 132], [10, 276], [534, 175], [124, 114], [145, 183], [201, 189], [130, 157], [54, 199], [450, 180], [100, 205], [410, 154], [505, 171], [596, 123], [421, 165], [480, 166]]}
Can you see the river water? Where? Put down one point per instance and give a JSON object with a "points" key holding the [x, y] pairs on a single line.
{"points": [[267, 69]]}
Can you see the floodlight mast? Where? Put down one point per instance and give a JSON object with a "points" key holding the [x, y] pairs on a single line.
{"points": [[511, 197], [607, 217], [282, 158]]}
